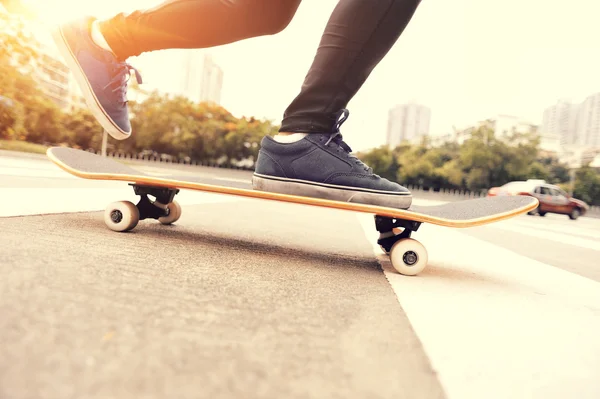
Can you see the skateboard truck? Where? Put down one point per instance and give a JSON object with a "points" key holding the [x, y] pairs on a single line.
{"points": [[387, 237], [157, 209]]}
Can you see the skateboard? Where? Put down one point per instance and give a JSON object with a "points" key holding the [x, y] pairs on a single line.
{"points": [[395, 226]]}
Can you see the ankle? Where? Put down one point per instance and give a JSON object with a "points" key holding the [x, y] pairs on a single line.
{"points": [[98, 37], [288, 137]]}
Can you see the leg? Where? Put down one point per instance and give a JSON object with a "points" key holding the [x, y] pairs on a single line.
{"points": [[195, 24], [358, 35], [97, 56]]}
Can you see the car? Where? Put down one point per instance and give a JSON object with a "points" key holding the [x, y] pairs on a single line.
{"points": [[552, 198]]}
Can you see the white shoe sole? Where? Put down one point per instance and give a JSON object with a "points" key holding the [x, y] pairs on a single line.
{"points": [[303, 188]]}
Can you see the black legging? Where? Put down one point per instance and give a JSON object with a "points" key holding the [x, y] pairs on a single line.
{"points": [[358, 35]]}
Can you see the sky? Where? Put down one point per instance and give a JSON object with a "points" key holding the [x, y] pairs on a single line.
{"points": [[467, 60]]}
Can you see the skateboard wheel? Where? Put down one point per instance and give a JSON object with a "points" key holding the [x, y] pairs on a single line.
{"points": [[174, 213], [121, 216], [408, 256]]}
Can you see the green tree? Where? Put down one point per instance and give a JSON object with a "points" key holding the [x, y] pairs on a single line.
{"points": [[82, 130], [205, 131], [9, 118], [587, 185], [538, 170], [43, 123], [557, 172], [480, 162], [382, 160]]}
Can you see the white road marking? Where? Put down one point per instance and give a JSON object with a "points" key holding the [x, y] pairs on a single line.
{"points": [[34, 172], [37, 201], [549, 235], [589, 227], [496, 324]]}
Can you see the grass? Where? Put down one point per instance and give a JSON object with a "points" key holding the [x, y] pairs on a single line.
{"points": [[22, 146]]}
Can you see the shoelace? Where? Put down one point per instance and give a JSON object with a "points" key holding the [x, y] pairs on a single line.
{"points": [[121, 74], [337, 138]]}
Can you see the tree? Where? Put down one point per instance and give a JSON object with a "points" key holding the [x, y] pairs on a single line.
{"points": [[557, 172], [480, 162], [537, 170], [382, 160], [9, 117], [587, 185], [180, 128], [82, 130]]}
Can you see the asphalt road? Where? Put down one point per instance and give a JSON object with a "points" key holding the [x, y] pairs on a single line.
{"points": [[249, 298]]}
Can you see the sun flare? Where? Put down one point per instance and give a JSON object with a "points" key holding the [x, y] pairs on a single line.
{"points": [[51, 12]]}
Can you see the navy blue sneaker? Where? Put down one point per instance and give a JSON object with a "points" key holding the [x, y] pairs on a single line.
{"points": [[322, 166], [101, 77]]}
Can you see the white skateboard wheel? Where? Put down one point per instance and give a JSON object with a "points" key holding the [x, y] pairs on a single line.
{"points": [[174, 213], [408, 256], [121, 216]]}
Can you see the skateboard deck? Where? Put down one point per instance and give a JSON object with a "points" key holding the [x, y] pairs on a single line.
{"points": [[394, 225]]}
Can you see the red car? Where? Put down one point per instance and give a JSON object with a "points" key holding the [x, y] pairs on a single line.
{"points": [[552, 199]]}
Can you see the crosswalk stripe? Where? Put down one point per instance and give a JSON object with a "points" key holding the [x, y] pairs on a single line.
{"points": [[549, 235], [497, 324], [36, 201]]}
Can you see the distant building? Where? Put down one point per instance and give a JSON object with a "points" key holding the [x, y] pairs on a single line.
{"points": [[190, 74], [407, 122], [501, 125], [576, 124], [440, 140], [47, 70], [561, 119], [53, 78], [576, 156], [504, 125], [212, 81], [549, 142], [194, 76], [588, 124]]}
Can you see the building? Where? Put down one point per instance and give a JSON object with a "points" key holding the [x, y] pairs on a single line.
{"points": [[212, 81], [504, 125], [53, 76], [549, 142], [47, 69], [576, 124], [190, 75], [195, 75], [501, 125], [588, 124], [562, 119], [53, 79], [572, 155], [440, 140], [407, 122]]}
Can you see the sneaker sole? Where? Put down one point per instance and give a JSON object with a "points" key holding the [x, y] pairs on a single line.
{"points": [[331, 192], [86, 88]]}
